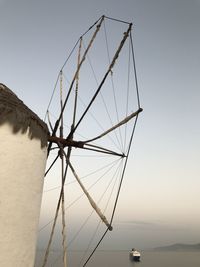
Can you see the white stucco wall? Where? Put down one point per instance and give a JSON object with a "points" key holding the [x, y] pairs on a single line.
{"points": [[22, 166]]}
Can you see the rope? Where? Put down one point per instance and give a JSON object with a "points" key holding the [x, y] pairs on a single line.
{"points": [[56, 214], [101, 18], [102, 150], [128, 118], [75, 236], [73, 129], [89, 216], [77, 81], [98, 123], [104, 103], [113, 89], [117, 197], [79, 41], [115, 174], [122, 178], [100, 169], [64, 244], [93, 204], [105, 76], [110, 165], [53, 229], [74, 78], [63, 223]]}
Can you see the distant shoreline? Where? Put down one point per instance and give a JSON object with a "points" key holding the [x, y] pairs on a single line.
{"points": [[179, 247], [174, 247]]}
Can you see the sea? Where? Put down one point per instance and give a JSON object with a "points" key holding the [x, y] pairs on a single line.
{"points": [[121, 259]]}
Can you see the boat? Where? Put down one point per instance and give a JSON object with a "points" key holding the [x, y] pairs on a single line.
{"points": [[85, 139], [134, 255]]}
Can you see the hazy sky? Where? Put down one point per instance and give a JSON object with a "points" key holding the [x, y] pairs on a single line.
{"points": [[160, 199]]}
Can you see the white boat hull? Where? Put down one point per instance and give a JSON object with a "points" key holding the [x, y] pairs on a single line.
{"points": [[134, 256]]}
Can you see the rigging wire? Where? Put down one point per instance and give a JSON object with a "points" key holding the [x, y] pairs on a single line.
{"points": [[117, 20], [86, 176], [101, 239], [127, 95], [112, 165], [73, 80], [54, 223], [60, 198], [94, 234], [57, 80], [104, 78], [52, 95], [98, 123], [135, 71], [115, 175], [77, 84], [113, 87], [124, 121], [70, 54], [104, 103], [92, 26], [117, 197], [122, 178], [78, 232], [49, 121], [92, 202], [83, 115]]}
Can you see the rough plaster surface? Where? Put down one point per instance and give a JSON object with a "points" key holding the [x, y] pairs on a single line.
{"points": [[22, 166]]}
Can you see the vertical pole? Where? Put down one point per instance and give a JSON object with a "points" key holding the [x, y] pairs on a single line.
{"points": [[62, 181], [77, 81]]}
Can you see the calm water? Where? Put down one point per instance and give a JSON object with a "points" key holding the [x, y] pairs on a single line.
{"points": [[121, 259]]}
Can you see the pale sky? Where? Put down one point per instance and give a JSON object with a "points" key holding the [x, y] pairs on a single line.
{"points": [[159, 202]]}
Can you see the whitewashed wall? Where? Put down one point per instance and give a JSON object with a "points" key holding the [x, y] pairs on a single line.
{"points": [[22, 167]]}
